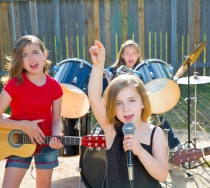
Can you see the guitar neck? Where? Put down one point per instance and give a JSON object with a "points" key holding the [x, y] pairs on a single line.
{"points": [[65, 140]]}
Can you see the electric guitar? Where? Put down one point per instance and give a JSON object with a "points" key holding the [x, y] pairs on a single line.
{"points": [[192, 154], [16, 142]]}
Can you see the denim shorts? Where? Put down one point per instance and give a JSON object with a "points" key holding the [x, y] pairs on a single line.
{"points": [[47, 158]]}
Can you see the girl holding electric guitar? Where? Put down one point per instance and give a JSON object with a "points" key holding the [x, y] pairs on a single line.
{"points": [[35, 101]]}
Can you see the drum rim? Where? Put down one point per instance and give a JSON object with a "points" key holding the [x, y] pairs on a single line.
{"points": [[73, 59], [151, 60]]}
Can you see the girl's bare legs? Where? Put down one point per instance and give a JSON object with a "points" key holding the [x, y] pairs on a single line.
{"points": [[43, 178], [13, 177]]}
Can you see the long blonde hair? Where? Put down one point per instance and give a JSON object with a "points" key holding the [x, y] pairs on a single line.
{"points": [[120, 61], [14, 64], [115, 86]]}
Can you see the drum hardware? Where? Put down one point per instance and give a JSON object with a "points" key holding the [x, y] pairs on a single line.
{"points": [[185, 66], [73, 75], [195, 80], [75, 80], [123, 70], [108, 75]]}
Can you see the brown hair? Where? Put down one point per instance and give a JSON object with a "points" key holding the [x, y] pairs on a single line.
{"points": [[14, 65], [120, 61], [115, 86]]}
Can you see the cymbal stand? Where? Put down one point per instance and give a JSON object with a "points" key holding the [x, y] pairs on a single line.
{"points": [[188, 142], [195, 123]]}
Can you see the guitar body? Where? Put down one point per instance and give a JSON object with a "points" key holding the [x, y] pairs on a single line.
{"points": [[10, 144]]}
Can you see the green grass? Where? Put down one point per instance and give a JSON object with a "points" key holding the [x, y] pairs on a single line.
{"points": [[178, 116]]}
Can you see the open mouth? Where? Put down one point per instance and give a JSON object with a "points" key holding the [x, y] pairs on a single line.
{"points": [[128, 118], [34, 65]]}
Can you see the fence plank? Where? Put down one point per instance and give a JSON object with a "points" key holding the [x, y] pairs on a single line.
{"points": [[118, 15], [124, 10], [113, 31], [69, 27], [141, 26], [96, 19], [107, 30], [207, 11], [79, 15], [33, 13], [5, 47]]}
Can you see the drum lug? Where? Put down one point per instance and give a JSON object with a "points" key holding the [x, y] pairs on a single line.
{"points": [[151, 74], [75, 80], [81, 65], [146, 62]]}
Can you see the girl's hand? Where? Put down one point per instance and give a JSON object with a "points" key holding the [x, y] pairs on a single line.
{"points": [[56, 143], [97, 53], [34, 132], [132, 143]]}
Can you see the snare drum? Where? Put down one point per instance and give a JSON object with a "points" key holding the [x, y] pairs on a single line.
{"points": [[73, 75], [152, 69], [93, 163]]}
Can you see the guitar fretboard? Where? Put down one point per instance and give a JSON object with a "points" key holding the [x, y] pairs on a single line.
{"points": [[65, 140]]}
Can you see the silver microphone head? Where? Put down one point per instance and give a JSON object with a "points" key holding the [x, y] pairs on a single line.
{"points": [[128, 128]]}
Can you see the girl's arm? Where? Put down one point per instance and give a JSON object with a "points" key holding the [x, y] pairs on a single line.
{"points": [[97, 53], [156, 164], [56, 124], [29, 127]]}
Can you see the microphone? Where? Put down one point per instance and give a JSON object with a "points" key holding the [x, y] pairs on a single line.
{"points": [[108, 75], [129, 128]]}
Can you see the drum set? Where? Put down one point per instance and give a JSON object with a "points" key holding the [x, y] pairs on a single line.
{"points": [[73, 75]]}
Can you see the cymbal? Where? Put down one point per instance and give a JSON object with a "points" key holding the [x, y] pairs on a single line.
{"points": [[163, 94], [191, 58], [194, 80]]}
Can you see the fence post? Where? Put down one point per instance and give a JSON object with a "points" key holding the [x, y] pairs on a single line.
{"points": [[173, 34], [57, 30], [33, 12]]}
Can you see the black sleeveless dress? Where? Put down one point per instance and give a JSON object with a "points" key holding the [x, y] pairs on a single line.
{"points": [[116, 175]]}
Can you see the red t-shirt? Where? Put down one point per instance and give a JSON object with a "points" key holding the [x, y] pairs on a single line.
{"points": [[32, 102]]}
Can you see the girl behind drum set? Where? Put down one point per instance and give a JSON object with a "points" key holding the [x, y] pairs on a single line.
{"points": [[130, 56], [125, 100]]}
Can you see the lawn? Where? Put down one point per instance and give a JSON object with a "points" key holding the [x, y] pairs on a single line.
{"points": [[178, 116]]}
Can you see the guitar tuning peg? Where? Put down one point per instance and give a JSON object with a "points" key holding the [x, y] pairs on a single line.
{"points": [[183, 147], [98, 149], [90, 148]]}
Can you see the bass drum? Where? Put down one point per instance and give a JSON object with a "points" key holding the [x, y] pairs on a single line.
{"points": [[93, 163]]}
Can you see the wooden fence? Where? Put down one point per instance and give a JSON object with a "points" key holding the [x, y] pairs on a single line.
{"points": [[164, 29]]}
